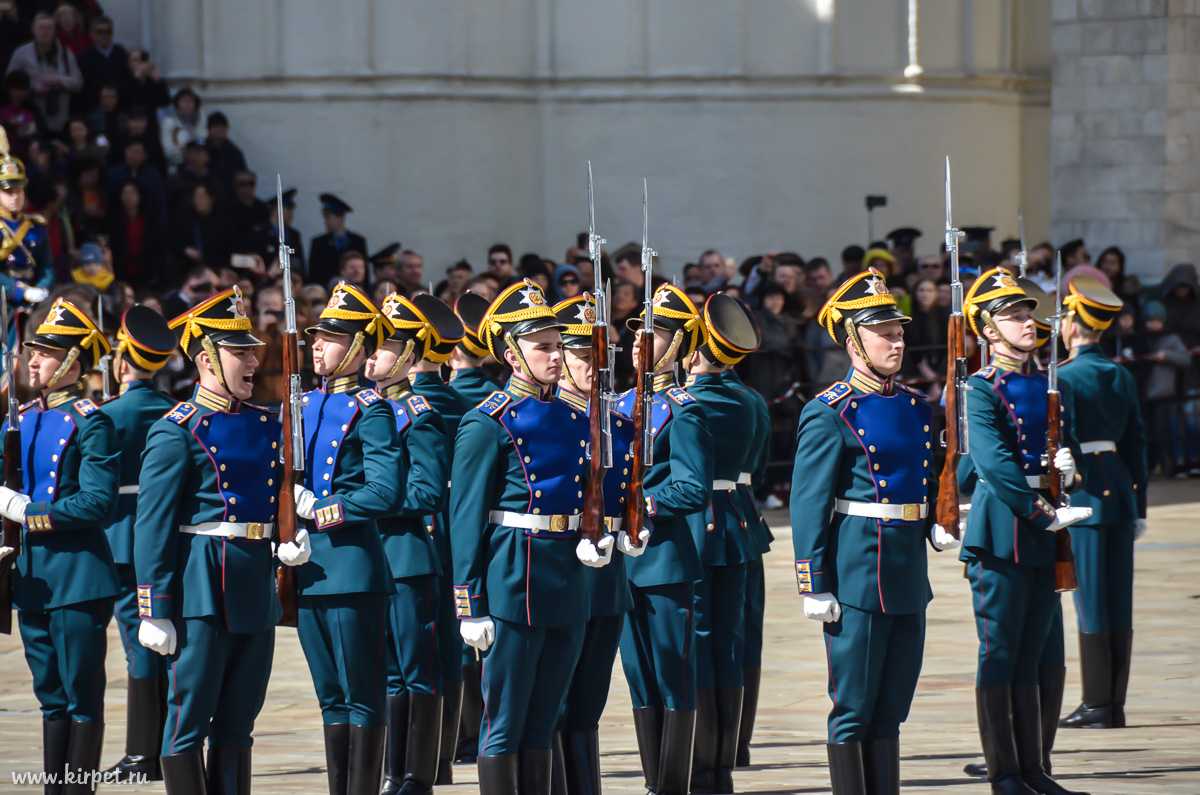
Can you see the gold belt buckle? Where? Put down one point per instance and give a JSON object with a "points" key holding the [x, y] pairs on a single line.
{"points": [[910, 512], [254, 530], [558, 523]]}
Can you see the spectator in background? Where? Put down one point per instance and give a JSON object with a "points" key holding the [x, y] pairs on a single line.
{"points": [[925, 338], [352, 268], [13, 32], [485, 284], [246, 213], [852, 262], [92, 268], [199, 282], [200, 234], [500, 263], [627, 265], [138, 245], [179, 126], [224, 157], [1074, 252], [149, 179], [1112, 263], [194, 171], [105, 118], [326, 250], [53, 73], [712, 271], [146, 88], [1169, 359], [20, 114], [70, 29], [412, 271], [457, 276], [103, 62], [534, 269], [567, 282], [88, 198]]}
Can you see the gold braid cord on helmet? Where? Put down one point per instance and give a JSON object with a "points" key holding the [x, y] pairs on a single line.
{"points": [[835, 313], [90, 337], [1094, 303], [993, 284], [426, 333], [128, 346], [692, 330], [197, 327], [377, 325], [493, 325]]}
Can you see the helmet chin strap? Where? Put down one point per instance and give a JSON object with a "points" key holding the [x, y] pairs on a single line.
{"points": [[671, 352], [214, 357], [356, 345], [571, 378], [522, 365], [68, 360], [401, 360], [990, 323], [852, 335]]}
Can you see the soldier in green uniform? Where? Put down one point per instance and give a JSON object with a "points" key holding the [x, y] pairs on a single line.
{"points": [[144, 343], [415, 690], [206, 507], [658, 647], [724, 541], [467, 375], [26, 270], [1009, 544], [353, 480], [64, 579], [862, 488], [1113, 442], [608, 589], [519, 466]]}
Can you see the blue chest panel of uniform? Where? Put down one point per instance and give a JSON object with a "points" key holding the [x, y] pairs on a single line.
{"points": [[550, 439], [616, 480], [244, 450], [327, 420], [894, 432], [33, 241], [660, 409], [44, 437], [1024, 397]]}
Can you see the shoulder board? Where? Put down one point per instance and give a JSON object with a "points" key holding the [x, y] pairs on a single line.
{"points": [[36, 218], [680, 395], [181, 413], [28, 405], [418, 405], [836, 391], [85, 407], [986, 373], [494, 403], [368, 397]]}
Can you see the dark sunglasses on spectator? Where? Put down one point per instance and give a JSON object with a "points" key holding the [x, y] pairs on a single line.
{"points": [[497, 260], [202, 287], [568, 280], [928, 266], [103, 31]]}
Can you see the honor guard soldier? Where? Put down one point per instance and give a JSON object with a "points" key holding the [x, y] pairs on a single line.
{"points": [[467, 375], [608, 588], [862, 488], [1009, 544], [26, 270], [144, 344], [724, 541], [658, 641], [64, 579], [1113, 442], [327, 249], [353, 479], [414, 678], [519, 466]]}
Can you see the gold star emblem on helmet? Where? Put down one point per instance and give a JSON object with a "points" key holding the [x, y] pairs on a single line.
{"points": [[532, 296], [876, 286], [587, 314], [56, 314]]}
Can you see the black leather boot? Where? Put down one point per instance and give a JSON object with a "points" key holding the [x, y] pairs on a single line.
{"points": [[1122, 656], [675, 753], [558, 766], [56, 735], [993, 709], [83, 756], [976, 769], [1027, 729], [451, 712], [397, 743], [704, 750], [337, 757], [472, 714], [581, 754], [753, 677], [424, 739], [498, 775], [847, 775], [1050, 693], [143, 731], [228, 771], [183, 773], [366, 759], [881, 763], [729, 722], [533, 775], [1095, 662], [647, 727]]}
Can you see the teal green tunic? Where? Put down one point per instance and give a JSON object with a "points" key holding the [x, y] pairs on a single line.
{"points": [[756, 405], [407, 538], [473, 384]]}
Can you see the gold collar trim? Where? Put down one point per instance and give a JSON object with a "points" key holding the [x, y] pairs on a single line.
{"points": [[341, 384], [864, 382], [1008, 363], [399, 390], [68, 394], [523, 387], [211, 400], [573, 398], [664, 381]]}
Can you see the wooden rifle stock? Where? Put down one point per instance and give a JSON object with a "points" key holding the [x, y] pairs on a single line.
{"points": [[635, 503], [285, 576], [946, 512], [1064, 558], [591, 525]]}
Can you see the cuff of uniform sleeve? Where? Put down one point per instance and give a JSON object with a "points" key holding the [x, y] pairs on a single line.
{"points": [[37, 517], [468, 605], [651, 506], [809, 580], [328, 513], [1042, 515], [151, 604]]}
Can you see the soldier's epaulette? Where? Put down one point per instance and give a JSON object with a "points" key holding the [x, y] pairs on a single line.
{"points": [[680, 395], [37, 218], [986, 373], [368, 397], [28, 405], [85, 407], [494, 403], [835, 392], [181, 413], [418, 405]]}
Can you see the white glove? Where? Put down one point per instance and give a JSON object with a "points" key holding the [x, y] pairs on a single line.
{"points": [[5, 552], [13, 505], [1139, 530], [157, 635], [1064, 462], [305, 500], [1065, 517], [625, 543], [597, 555], [941, 538], [478, 633], [822, 607], [295, 553], [35, 295]]}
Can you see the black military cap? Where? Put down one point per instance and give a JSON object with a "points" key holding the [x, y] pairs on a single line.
{"points": [[427, 321], [222, 319], [350, 312], [994, 291], [519, 310], [1092, 303], [388, 255], [861, 300], [729, 331], [145, 338], [1043, 312], [65, 327], [289, 199], [675, 312], [332, 204], [470, 309], [978, 238], [904, 236], [578, 316]]}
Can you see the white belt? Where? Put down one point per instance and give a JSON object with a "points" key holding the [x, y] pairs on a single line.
{"points": [[1094, 448], [250, 530], [128, 489], [724, 485], [553, 523], [744, 479], [909, 512]]}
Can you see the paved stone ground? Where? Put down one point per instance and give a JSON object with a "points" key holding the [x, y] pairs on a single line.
{"points": [[1160, 752]]}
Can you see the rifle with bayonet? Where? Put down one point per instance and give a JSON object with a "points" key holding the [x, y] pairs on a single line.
{"points": [[592, 526], [955, 438], [292, 419], [1022, 255], [11, 536], [1064, 558], [642, 449], [105, 364]]}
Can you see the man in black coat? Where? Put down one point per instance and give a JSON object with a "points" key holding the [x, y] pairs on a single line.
{"points": [[327, 249]]}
